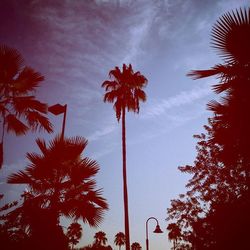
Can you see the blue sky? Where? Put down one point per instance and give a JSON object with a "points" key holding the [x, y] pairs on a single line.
{"points": [[74, 44]]}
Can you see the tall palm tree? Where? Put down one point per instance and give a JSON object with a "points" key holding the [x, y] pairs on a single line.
{"points": [[136, 246], [100, 238], [231, 38], [74, 233], [119, 239], [20, 111], [60, 183], [125, 90]]}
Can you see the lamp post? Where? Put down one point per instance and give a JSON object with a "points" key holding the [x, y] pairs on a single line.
{"points": [[58, 109], [157, 230]]}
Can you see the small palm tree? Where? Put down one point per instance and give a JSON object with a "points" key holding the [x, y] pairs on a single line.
{"points": [[74, 233], [136, 246], [119, 239], [100, 238], [60, 183], [125, 90], [19, 110]]}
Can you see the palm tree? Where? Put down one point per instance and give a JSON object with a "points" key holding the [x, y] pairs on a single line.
{"points": [[135, 246], [231, 38], [100, 238], [120, 239], [19, 110], [125, 90], [74, 233], [60, 183]]}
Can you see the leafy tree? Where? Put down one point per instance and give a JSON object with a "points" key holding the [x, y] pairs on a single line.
{"points": [[125, 90], [213, 212], [20, 111], [11, 235], [135, 246], [231, 37], [100, 238], [74, 233], [60, 183], [119, 239]]}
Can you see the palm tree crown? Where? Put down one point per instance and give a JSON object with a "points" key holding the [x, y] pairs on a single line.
{"points": [[100, 238], [229, 36], [61, 181], [19, 110], [135, 246], [119, 239], [125, 90]]}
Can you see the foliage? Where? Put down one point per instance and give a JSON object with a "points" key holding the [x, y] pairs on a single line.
{"points": [[125, 90], [135, 246], [60, 183], [20, 111], [120, 239], [100, 238], [213, 212], [74, 233]]}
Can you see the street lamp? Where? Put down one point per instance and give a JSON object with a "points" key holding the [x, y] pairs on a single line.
{"points": [[58, 109], [157, 230]]}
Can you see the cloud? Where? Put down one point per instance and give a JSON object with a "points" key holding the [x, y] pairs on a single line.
{"points": [[102, 132], [183, 98]]}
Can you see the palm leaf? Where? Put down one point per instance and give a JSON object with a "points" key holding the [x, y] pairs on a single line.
{"points": [[15, 125], [11, 62], [27, 80], [25, 103], [19, 178], [36, 121], [231, 30]]}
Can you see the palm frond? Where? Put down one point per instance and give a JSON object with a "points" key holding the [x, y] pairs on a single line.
{"points": [[20, 177], [42, 145], [11, 62], [24, 103], [36, 121], [231, 30], [15, 125], [27, 80]]}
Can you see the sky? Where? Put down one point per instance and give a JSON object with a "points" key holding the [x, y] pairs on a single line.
{"points": [[74, 44]]}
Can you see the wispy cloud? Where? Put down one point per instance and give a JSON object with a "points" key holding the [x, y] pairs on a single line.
{"points": [[183, 98], [102, 132]]}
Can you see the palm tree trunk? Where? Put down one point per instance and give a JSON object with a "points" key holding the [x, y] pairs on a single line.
{"points": [[125, 189]]}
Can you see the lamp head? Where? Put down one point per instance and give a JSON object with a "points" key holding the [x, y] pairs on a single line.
{"points": [[57, 109], [158, 230]]}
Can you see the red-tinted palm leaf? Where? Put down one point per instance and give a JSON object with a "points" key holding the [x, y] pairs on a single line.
{"points": [[28, 80], [11, 62], [15, 125], [36, 121], [231, 36]]}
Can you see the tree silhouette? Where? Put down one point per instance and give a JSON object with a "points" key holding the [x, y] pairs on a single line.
{"points": [[135, 246], [74, 233], [20, 111], [60, 183], [119, 239], [219, 191], [231, 36], [100, 238], [125, 90]]}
